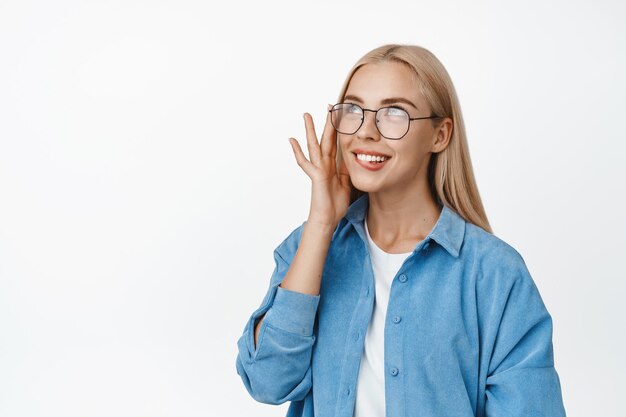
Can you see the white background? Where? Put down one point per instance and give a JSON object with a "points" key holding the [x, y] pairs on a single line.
{"points": [[146, 177]]}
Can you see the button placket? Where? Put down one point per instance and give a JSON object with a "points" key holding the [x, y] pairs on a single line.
{"points": [[399, 302]]}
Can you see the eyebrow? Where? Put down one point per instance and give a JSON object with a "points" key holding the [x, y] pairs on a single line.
{"points": [[390, 100]]}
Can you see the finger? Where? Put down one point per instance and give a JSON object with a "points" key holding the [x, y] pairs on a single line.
{"points": [[311, 140], [329, 137], [305, 164], [334, 145]]}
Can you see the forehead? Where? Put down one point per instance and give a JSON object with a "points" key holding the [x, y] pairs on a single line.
{"points": [[375, 82]]}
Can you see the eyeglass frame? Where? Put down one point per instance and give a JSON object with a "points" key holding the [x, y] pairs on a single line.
{"points": [[376, 119]]}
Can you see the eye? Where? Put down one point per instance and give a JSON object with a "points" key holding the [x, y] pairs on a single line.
{"points": [[396, 111], [353, 108]]}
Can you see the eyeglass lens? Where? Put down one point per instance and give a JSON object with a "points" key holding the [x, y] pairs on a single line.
{"points": [[392, 122]]}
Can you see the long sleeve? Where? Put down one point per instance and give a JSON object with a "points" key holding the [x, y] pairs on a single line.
{"points": [[522, 379], [279, 369]]}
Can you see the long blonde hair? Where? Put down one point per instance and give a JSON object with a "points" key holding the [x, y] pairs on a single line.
{"points": [[450, 173]]}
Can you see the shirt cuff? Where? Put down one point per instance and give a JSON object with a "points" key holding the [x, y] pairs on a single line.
{"points": [[293, 311]]}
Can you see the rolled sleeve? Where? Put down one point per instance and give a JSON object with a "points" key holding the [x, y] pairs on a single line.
{"points": [[293, 312], [278, 368]]}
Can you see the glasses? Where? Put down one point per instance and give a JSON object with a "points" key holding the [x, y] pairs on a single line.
{"points": [[392, 122]]}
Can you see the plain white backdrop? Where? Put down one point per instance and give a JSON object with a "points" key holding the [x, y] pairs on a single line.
{"points": [[146, 178]]}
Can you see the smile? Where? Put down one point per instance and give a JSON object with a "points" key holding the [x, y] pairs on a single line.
{"points": [[373, 164]]}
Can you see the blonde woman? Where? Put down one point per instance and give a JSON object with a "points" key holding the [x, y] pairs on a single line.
{"points": [[394, 298]]}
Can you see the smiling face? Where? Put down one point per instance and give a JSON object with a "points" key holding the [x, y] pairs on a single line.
{"points": [[390, 84]]}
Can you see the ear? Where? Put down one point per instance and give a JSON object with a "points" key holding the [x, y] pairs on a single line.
{"points": [[442, 135]]}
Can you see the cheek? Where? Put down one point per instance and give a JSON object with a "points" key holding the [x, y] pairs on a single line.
{"points": [[343, 145], [416, 149], [409, 157], [349, 158]]}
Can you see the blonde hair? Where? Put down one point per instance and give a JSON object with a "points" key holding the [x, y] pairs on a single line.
{"points": [[450, 173]]}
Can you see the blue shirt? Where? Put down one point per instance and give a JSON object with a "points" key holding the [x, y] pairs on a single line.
{"points": [[466, 333]]}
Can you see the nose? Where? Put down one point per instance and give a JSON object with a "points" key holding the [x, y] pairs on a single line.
{"points": [[368, 129]]}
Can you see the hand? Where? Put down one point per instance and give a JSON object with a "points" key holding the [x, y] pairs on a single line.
{"points": [[330, 196]]}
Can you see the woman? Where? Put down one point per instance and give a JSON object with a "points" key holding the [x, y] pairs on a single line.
{"points": [[394, 298]]}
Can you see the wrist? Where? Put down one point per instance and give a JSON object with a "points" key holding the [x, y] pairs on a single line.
{"points": [[320, 226]]}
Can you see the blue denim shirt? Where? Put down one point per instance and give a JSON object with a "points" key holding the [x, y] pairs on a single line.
{"points": [[466, 333]]}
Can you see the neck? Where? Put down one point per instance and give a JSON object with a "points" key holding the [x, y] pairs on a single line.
{"points": [[401, 220]]}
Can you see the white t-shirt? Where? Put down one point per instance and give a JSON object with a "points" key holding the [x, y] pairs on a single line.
{"points": [[370, 391]]}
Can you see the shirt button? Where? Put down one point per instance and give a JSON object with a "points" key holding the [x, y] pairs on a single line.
{"points": [[356, 336], [426, 246], [367, 291], [402, 278], [347, 392], [393, 371], [396, 319]]}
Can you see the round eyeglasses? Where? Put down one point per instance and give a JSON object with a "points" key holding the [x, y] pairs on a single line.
{"points": [[392, 122]]}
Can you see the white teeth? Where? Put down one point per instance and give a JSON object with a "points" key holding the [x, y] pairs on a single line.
{"points": [[371, 158]]}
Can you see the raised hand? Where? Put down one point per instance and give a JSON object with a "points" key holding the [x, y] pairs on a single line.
{"points": [[330, 194]]}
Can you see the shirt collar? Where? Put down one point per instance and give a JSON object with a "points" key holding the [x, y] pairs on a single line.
{"points": [[447, 232]]}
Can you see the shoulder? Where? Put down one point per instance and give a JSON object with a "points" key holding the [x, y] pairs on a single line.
{"points": [[502, 279], [494, 260], [485, 244]]}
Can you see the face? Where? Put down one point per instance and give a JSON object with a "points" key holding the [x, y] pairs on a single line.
{"points": [[371, 87]]}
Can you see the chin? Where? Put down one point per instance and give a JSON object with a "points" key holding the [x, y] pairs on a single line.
{"points": [[365, 185]]}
